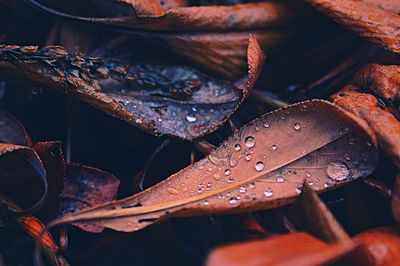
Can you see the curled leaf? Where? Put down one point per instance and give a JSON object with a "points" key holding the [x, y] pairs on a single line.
{"points": [[383, 81], [368, 20], [172, 100], [261, 166], [151, 16], [85, 187]]}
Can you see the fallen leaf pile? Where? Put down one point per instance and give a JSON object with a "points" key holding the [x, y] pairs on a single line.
{"points": [[199, 132]]}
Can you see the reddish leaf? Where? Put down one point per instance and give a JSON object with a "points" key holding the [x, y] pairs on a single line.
{"points": [[262, 166], [85, 187]]}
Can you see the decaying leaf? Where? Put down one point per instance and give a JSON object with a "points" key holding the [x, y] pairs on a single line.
{"points": [[85, 187], [383, 244], [369, 20], [151, 15], [261, 166], [383, 81], [173, 100], [308, 213], [293, 249]]}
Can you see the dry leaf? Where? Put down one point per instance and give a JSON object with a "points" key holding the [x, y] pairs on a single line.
{"points": [[297, 249], [308, 213], [358, 97], [151, 16], [368, 20], [174, 100], [262, 166], [383, 244]]}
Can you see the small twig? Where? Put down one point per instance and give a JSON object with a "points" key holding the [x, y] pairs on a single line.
{"points": [[268, 99], [203, 146]]}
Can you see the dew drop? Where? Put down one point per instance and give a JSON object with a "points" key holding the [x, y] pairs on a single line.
{"points": [[232, 201], [268, 193], [172, 190], [338, 171], [138, 121], [228, 172], [297, 126], [233, 162], [347, 157], [250, 142], [259, 166], [310, 182], [266, 125], [248, 157], [238, 147], [298, 189], [274, 147], [231, 180], [221, 196], [191, 119], [280, 179], [217, 176], [242, 190], [252, 185], [308, 174], [206, 202], [209, 185]]}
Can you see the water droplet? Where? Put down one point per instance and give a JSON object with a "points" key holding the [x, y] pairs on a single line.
{"points": [[347, 157], [298, 189], [280, 179], [228, 172], [257, 128], [191, 119], [172, 190], [248, 157], [283, 117], [268, 193], [138, 120], [308, 174], [217, 176], [266, 125], [338, 171], [310, 182], [194, 109], [233, 162], [209, 185], [242, 190], [238, 147], [231, 180], [221, 196], [200, 190], [252, 185], [274, 147], [259, 166], [250, 142], [206, 202], [232, 201], [238, 197], [297, 126]]}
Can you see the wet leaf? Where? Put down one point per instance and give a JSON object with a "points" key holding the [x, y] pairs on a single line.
{"points": [[151, 15], [368, 20], [85, 187], [310, 214], [262, 166], [172, 100], [358, 98], [383, 244], [291, 249]]}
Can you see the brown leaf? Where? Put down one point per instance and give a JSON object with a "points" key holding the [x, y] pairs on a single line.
{"points": [[172, 100], [262, 166], [383, 244], [85, 187], [368, 20], [365, 105], [151, 16], [309, 213], [297, 249]]}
